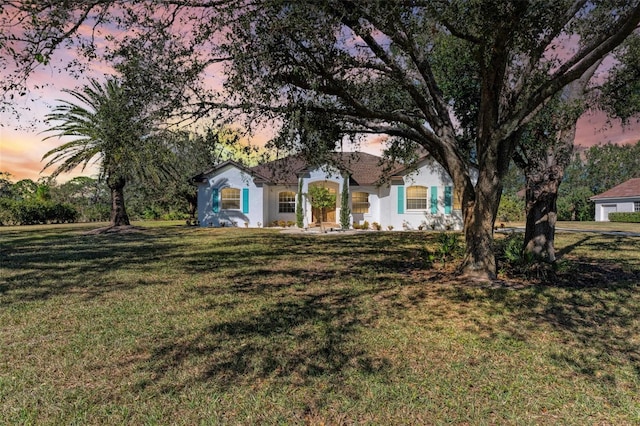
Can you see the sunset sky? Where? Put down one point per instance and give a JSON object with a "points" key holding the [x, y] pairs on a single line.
{"points": [[22, 145]]}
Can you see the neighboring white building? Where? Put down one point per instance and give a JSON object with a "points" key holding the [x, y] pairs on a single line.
{"points": [[233, 195], [622, 198]]}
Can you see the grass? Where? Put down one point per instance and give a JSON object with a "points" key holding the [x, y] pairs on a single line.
{"points": [[181, 325], [588, 226]]}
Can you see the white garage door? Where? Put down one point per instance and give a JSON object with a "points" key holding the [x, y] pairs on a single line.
{"points": [[606, 209]]}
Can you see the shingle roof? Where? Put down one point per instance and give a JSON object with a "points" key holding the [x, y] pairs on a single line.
{"points": [[202, 176], [630, 188], [283, 171], [365, 169]]}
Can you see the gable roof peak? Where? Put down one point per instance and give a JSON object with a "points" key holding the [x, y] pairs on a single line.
{"points": [[202, 176]]}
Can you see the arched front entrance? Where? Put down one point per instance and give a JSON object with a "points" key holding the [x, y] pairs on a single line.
{"points": [[329, 212]]}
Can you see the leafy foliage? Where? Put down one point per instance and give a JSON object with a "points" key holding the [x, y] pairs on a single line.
{"points": [[28, 203], [89, 196], [511, 209], [609, 165], [621, 93], [448, 247], [321, 198], [574, 204], [592, 172], [34, 212], [511, 248], [515, 261], [189, 153], [589, 172]]}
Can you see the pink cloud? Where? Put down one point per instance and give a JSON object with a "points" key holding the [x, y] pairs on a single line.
{"points": [[21, 150], [595, 128]]}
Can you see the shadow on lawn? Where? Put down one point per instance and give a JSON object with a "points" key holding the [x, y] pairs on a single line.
{"points": [[291, 309], [292, 342], [600, 243], [56, 262], [592, 311], [286, 316]]}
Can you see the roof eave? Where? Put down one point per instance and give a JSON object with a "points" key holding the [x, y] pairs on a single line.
{"points": [[608, 198]]}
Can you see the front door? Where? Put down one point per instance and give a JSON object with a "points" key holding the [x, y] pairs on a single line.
{"points": [[330, 215], [330, 212]]}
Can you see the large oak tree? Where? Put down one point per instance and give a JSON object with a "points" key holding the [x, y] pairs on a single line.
{"points": [[367, 67]]}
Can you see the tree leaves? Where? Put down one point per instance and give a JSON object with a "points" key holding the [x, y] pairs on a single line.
{"points": [[620, 95]]}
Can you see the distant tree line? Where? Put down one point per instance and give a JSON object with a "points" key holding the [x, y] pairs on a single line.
{"points": [[81, 199], [86, 199], [28, 203], [589, 173]]}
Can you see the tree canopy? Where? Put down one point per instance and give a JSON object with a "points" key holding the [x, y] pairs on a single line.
{"points": [[367, 67], [333, 68], [620, 95]]}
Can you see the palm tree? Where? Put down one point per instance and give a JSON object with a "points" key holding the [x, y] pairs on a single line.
{"points": [[110, 130]]}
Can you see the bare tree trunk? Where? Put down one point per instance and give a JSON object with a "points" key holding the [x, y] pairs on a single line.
{"points": [[479, 260], [119, 215], [544, 170], [494, 151]]}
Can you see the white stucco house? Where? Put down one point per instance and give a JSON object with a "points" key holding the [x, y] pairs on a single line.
{"points": [[622, 198], [391, 195]]}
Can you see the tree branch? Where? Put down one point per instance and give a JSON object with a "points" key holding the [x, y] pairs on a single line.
{"points": [[572, 70]]}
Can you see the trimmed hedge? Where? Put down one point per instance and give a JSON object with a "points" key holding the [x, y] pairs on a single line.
{"points": [[625, 217]]}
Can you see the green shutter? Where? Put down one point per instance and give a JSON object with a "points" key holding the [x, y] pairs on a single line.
{"points": [[434, 200], [215, 200], [245, 200], [400, 199], [447, 199]]}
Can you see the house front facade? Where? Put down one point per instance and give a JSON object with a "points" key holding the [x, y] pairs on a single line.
{"points": [[390, 195], [622, 198]]}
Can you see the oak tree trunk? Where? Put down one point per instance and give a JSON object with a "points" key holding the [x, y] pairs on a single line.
{"points": [[479, 217], [541, 210], [544, 170], [543, 174], [479, 260]]}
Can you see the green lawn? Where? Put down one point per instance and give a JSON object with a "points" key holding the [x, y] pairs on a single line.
{"points": [[588, 226], [182, 325]]}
